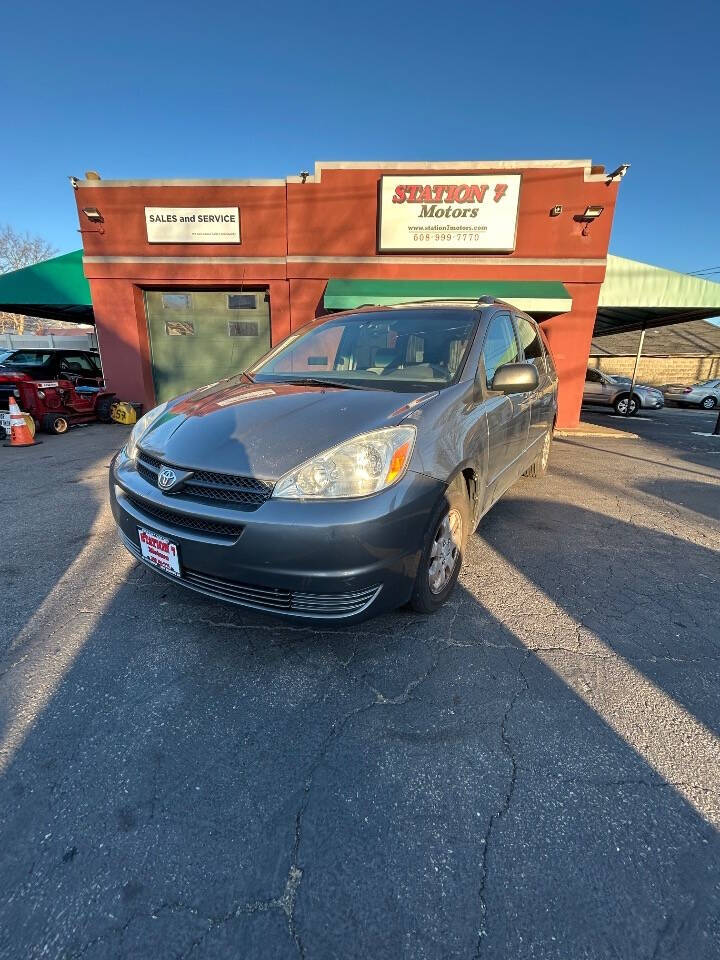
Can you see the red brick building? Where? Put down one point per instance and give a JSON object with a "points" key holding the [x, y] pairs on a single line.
{"points": [[191, 279]]}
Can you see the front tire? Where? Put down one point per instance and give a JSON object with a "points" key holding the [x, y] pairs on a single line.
{"points": [[54, 423], [444, 548], [709, 403], [621, 405]]}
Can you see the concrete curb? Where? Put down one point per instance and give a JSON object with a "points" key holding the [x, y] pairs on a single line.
{"points": [[589, 430]]}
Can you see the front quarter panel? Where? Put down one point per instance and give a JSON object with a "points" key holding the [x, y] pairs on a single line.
{"points": [[451, 434]]}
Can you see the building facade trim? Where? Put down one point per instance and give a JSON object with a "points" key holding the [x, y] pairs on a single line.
{"points": [[480, 261]]}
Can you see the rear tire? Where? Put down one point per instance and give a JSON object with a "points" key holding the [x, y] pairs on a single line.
{"points": [[709, 403], [443, 551], [540, 467], [102, 408], [54, 423], [621, 405]]}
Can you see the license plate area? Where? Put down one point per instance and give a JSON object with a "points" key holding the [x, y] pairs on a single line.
{"points": [[160, 551]]}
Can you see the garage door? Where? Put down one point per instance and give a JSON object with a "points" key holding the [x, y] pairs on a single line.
{"points": [[197, 337]]}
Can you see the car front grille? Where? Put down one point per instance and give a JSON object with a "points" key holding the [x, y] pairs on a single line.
{"points": [[186, 521], [330, 606], [208, 485]]}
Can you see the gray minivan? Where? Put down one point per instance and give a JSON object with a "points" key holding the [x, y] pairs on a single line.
{"points": [[342, 474]]}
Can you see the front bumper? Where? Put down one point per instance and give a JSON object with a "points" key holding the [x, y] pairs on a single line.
{"points": [[651, 401], [325, 560]]}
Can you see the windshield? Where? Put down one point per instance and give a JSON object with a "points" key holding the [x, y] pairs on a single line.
{"points": [[391, 350]]}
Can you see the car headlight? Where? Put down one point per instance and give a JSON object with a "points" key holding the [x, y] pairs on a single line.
{"points": [[361, 466], [141, 428]]}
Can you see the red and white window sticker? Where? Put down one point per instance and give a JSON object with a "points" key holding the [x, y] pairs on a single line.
{"points": [[159, 551]]}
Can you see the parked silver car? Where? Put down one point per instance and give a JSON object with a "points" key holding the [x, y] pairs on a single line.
{"points": [[343, 473], [610, 391], [651, 398], [705, 394]]}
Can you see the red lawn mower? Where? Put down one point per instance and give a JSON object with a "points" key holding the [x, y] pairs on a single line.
{"points": [[54, 405]]}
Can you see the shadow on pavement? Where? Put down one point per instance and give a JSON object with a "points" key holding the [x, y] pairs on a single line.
{"points": [[207, 783], [702, 498]]}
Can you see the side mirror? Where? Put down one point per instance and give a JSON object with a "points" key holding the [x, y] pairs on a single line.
{"points": [[516, 378]]}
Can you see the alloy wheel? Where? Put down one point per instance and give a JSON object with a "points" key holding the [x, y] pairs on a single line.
{"points": [[445, 552], [622, 406]]}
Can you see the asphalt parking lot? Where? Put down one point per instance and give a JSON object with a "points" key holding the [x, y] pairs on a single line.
{"points": [[534, 772]]}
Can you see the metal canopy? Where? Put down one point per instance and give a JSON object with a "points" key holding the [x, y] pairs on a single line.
{"points": [[55, 289], [636, 296]]}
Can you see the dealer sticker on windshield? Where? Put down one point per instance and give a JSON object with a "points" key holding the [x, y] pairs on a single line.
{"points": [[159, 551]]}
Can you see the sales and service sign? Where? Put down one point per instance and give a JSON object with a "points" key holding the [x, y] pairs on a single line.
{"points": [[192, 224], [441, 213]]}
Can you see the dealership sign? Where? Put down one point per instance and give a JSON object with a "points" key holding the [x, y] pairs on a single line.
{"points": [[192, 224], [437, 212]]}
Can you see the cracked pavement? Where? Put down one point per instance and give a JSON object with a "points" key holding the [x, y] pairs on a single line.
{"points": [[533, 772]]}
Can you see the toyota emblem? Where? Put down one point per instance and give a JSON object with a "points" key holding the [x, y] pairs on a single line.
{"points": [[167, 478]]}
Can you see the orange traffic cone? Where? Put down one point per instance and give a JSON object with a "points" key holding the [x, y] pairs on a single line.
{"points": [[20, 435]]}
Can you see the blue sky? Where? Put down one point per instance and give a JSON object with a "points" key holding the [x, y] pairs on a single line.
{"points": [[221, 89]]}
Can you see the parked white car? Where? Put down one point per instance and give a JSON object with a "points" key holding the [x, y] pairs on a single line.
{"points": [[705, 394]]}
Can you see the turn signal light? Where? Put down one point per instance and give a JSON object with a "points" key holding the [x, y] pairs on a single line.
{"points": [[397, 464]]}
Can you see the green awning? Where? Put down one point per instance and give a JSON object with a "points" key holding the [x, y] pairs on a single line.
{"points": [[636, 295], [55, 288], [533, 296]]}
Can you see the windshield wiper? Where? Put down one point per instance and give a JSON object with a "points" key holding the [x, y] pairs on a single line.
{"points": [[319, 382]]}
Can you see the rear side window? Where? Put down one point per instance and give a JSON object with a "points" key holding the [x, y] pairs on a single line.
{"points": [[531, 343], [77, 363], [28, 358], [501, 346]]}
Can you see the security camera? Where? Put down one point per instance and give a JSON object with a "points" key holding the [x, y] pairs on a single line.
{"points": [[619, 173]]}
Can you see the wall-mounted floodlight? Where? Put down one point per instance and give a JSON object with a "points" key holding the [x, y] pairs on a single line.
{"points": [[591, 213], [556, 210], [93, 214]]}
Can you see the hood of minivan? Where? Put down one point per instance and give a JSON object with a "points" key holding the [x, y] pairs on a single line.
{"points": [[265, 429]]}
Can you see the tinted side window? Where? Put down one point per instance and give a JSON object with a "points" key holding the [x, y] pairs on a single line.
{"points": [[500, 345], [592, 376], [76, 363], [531, 343]]}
